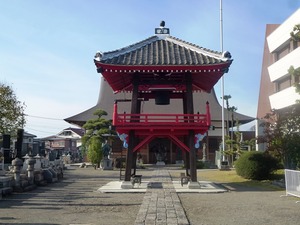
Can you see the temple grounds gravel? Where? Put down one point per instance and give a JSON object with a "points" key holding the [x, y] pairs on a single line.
{"points": [[75, 200]]}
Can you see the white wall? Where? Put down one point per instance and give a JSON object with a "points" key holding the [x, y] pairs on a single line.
{"points": [[282, 33]]}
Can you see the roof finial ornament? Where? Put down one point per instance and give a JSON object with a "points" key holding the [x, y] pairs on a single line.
{"points": [[98, 56], [162, 31]]}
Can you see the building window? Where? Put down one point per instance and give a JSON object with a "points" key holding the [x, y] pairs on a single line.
{"points": [[283, 83], [296, 80], [57, 144], [295, 44], [284, 50]]}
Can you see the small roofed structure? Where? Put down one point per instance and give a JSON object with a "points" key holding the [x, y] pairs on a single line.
{"points": [[157, 82]]}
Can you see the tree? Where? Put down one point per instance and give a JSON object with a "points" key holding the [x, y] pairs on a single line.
{"points": [[95, 150], [232, 109], [226, 98], [295, 34], [295, 73], [94, 138], [282, 135], [233, 144], [282, 127], [11, 110]]}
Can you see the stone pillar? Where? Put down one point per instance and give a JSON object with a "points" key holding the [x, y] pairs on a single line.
{"points": [[38, 163], [19, 143], [6, 149], [204, 152], [106, 164], [38, 175], [25, 164], [17, 163], [31, 161], [2, 172]]}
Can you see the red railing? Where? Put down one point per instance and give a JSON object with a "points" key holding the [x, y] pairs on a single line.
{"points": [[161, 120]]}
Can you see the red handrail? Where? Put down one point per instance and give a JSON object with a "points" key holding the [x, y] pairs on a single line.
{"points": [[190, 120], [163, 119]]}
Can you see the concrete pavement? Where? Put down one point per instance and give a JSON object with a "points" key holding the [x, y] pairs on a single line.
{"points": [[161, 204]]}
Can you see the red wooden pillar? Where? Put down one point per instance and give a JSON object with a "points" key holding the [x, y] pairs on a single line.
{"points": [[132, 139], [136, 141], [186, 154], [191, 135]]}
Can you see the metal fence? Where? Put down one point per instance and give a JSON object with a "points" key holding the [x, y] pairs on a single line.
{"points": [[292, 183]]}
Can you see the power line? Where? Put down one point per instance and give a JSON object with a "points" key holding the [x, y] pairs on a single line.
{"points": [[43, 126], [39, 130], [41, 117]]}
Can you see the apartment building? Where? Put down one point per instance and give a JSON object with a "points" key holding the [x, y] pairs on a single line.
{"points": [[277, 89]]}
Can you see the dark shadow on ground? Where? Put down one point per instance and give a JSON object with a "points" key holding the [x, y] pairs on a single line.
{"points": [[29, 223], [250, 186]]}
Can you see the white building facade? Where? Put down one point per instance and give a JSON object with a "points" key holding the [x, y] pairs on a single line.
{"points": [[285, 53]]}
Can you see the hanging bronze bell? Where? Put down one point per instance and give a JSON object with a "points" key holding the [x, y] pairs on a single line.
{"points": [[162, 97]]}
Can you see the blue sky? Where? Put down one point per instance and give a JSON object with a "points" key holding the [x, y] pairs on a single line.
{"points": [[47, 47]]}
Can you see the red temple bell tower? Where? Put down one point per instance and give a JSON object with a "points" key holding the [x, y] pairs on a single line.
{"points": [[162, 68]]}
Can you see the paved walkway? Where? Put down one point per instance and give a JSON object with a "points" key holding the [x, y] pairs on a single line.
{"points": [[161, 204]]}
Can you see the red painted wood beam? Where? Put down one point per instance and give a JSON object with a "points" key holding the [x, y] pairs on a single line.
{"points": [[143, 142], [178, 142]]}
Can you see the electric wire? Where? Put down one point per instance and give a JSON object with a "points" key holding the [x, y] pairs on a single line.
{"points": [[41, 117]]}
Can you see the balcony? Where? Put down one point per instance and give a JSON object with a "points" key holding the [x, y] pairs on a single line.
{"points": [[282, 33], [284, 98], [280, 68]]}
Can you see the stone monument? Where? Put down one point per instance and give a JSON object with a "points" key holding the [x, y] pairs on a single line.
{"points": [[106, 163], [2, 172], [25, 164], [204, 152], [17, 163]]}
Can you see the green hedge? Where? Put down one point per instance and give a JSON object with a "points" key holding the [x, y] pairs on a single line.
{"points": [[256, 165]]}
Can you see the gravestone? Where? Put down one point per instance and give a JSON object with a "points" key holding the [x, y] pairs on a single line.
{"points": [[25, 164], [38, 163], [2, 172]]}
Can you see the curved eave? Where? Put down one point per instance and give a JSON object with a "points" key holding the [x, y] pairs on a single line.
{"points": [[204, 77]]}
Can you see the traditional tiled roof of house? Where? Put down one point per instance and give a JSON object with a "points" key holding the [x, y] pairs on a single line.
{"points": [[26, 134], [162, 50], [78, 131]]}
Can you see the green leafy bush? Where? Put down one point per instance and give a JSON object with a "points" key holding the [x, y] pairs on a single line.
{"points": [[256, 165], [200, 164]]}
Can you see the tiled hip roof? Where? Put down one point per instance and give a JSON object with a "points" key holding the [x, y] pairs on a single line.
{"points": [[156, 51]]}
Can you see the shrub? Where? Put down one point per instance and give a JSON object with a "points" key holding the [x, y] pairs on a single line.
{"points": [[200, 164], [256, 165]]}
